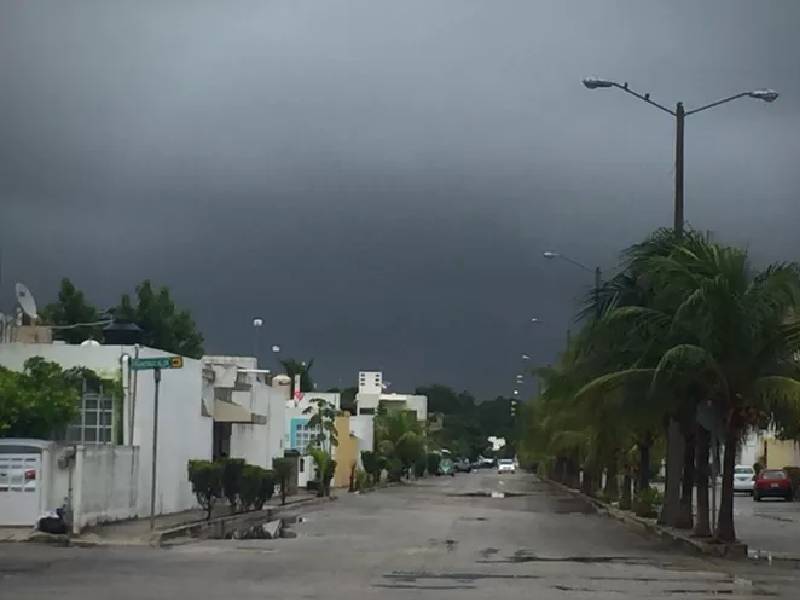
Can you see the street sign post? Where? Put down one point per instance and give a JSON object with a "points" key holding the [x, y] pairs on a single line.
{"points": [[155, 364]]}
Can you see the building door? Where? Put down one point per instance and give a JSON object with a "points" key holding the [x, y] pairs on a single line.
{"points": [[20, 488]]}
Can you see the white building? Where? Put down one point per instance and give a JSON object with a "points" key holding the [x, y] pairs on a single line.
{"points": [[297, 433], [184, 429], [248, 412], [371, 396]]}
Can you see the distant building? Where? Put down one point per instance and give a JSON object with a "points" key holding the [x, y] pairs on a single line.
{"points": [[371, 395], [248, 412]]}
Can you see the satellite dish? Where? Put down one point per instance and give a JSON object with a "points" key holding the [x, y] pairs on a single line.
{"points": [[25, 300]]}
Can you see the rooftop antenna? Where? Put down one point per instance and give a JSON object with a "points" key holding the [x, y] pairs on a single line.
{"points": [[26, 301]]}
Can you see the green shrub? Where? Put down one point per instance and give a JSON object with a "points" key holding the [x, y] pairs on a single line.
{"points": [[250, 486], [232, 479], [383, 463], [362, 480], [646, 501], [395, 469], [267, 485], [206, 479], [371, 465], [434, 458]]}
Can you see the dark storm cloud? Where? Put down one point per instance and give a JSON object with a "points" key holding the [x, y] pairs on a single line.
{"points": [[378, 179]]}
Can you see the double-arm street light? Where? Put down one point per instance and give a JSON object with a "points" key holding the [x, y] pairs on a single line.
{"points": [[598, 275], [680, 114]]}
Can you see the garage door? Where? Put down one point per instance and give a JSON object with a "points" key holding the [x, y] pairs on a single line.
{"points": [[20, 488]]}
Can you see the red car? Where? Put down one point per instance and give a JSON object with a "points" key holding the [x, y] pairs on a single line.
{"points": [[773, 483]]}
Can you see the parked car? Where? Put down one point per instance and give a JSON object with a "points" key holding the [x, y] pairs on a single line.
{"points": [[773, 483], [484, 463], [743, 479], [506, 465], [462, 465], [446, 466]]}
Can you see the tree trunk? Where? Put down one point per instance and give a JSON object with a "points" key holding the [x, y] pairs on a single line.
{"points": [[612, 488], [685, 520], [644, 462], [626, 500], [701, 526], [672, 487], [726, 532], [587, 480]]}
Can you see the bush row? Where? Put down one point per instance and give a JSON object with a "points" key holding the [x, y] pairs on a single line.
{"points": [[244, 486]]}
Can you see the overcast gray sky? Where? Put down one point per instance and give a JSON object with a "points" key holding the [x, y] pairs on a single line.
{"points": [[378, 179]]}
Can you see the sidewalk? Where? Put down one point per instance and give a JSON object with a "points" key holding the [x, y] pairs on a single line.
{"points": [[138, 532]]}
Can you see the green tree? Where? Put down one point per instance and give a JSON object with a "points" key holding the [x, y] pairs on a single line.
{"points": [[163, 325], [323, 422], [732, 339], [302, 368], [409, 448], [72, 308], [40, 401]]}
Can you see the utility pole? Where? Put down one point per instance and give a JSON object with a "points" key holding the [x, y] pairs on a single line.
{"points": [[157, 378], [679, 120]]}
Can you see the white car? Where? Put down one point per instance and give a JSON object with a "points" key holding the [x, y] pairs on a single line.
{"points": [[506, 465], [743, 477]]}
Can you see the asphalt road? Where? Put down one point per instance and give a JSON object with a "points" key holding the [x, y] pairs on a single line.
{"points": [[437, 538]]}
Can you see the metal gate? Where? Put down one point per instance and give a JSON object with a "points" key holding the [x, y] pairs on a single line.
{"points": [[20, 488]]}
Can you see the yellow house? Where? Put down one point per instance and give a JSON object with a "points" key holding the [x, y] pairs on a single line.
{"points": [[781, 453], [346, 451]]}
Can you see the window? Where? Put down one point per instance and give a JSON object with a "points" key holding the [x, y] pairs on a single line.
{"points": [[367, 411], [302, 465], [95, 424], [302, 435]]}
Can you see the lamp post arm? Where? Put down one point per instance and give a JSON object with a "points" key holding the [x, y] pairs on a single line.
{"points": [[717, 103], [643, 98]]}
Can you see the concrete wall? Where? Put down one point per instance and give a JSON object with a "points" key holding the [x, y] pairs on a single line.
{"points": [[184, 433], [363, 428], [782, 453], [276, 424], [105, 484]]}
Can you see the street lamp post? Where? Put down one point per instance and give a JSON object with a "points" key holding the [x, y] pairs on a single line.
{"points": [[680, 114], [598, 274]]}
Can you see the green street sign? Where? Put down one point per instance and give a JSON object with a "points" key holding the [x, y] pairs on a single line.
{"points": [[162, 362]]}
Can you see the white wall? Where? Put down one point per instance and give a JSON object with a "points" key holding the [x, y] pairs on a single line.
{"points": [[184, 433], [276, 424], [416, 402], [362, 427], [105, 484], [370, 382]]}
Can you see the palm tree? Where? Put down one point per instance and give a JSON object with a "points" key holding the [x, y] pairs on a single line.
{"points": [[731, 339], [303, 369]]}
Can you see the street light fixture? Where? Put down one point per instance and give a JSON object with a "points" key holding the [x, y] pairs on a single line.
{"points": [[767, 95], [524, 356], [535, 320]]}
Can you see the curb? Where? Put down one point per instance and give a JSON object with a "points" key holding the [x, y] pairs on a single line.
{"points": [[198, 529], [677, 537]]}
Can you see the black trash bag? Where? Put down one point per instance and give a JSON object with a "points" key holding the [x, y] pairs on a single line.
{"points": [[52, 522]]}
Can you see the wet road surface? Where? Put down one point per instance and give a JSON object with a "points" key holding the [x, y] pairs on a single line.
{"points": [[470, 536]]}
